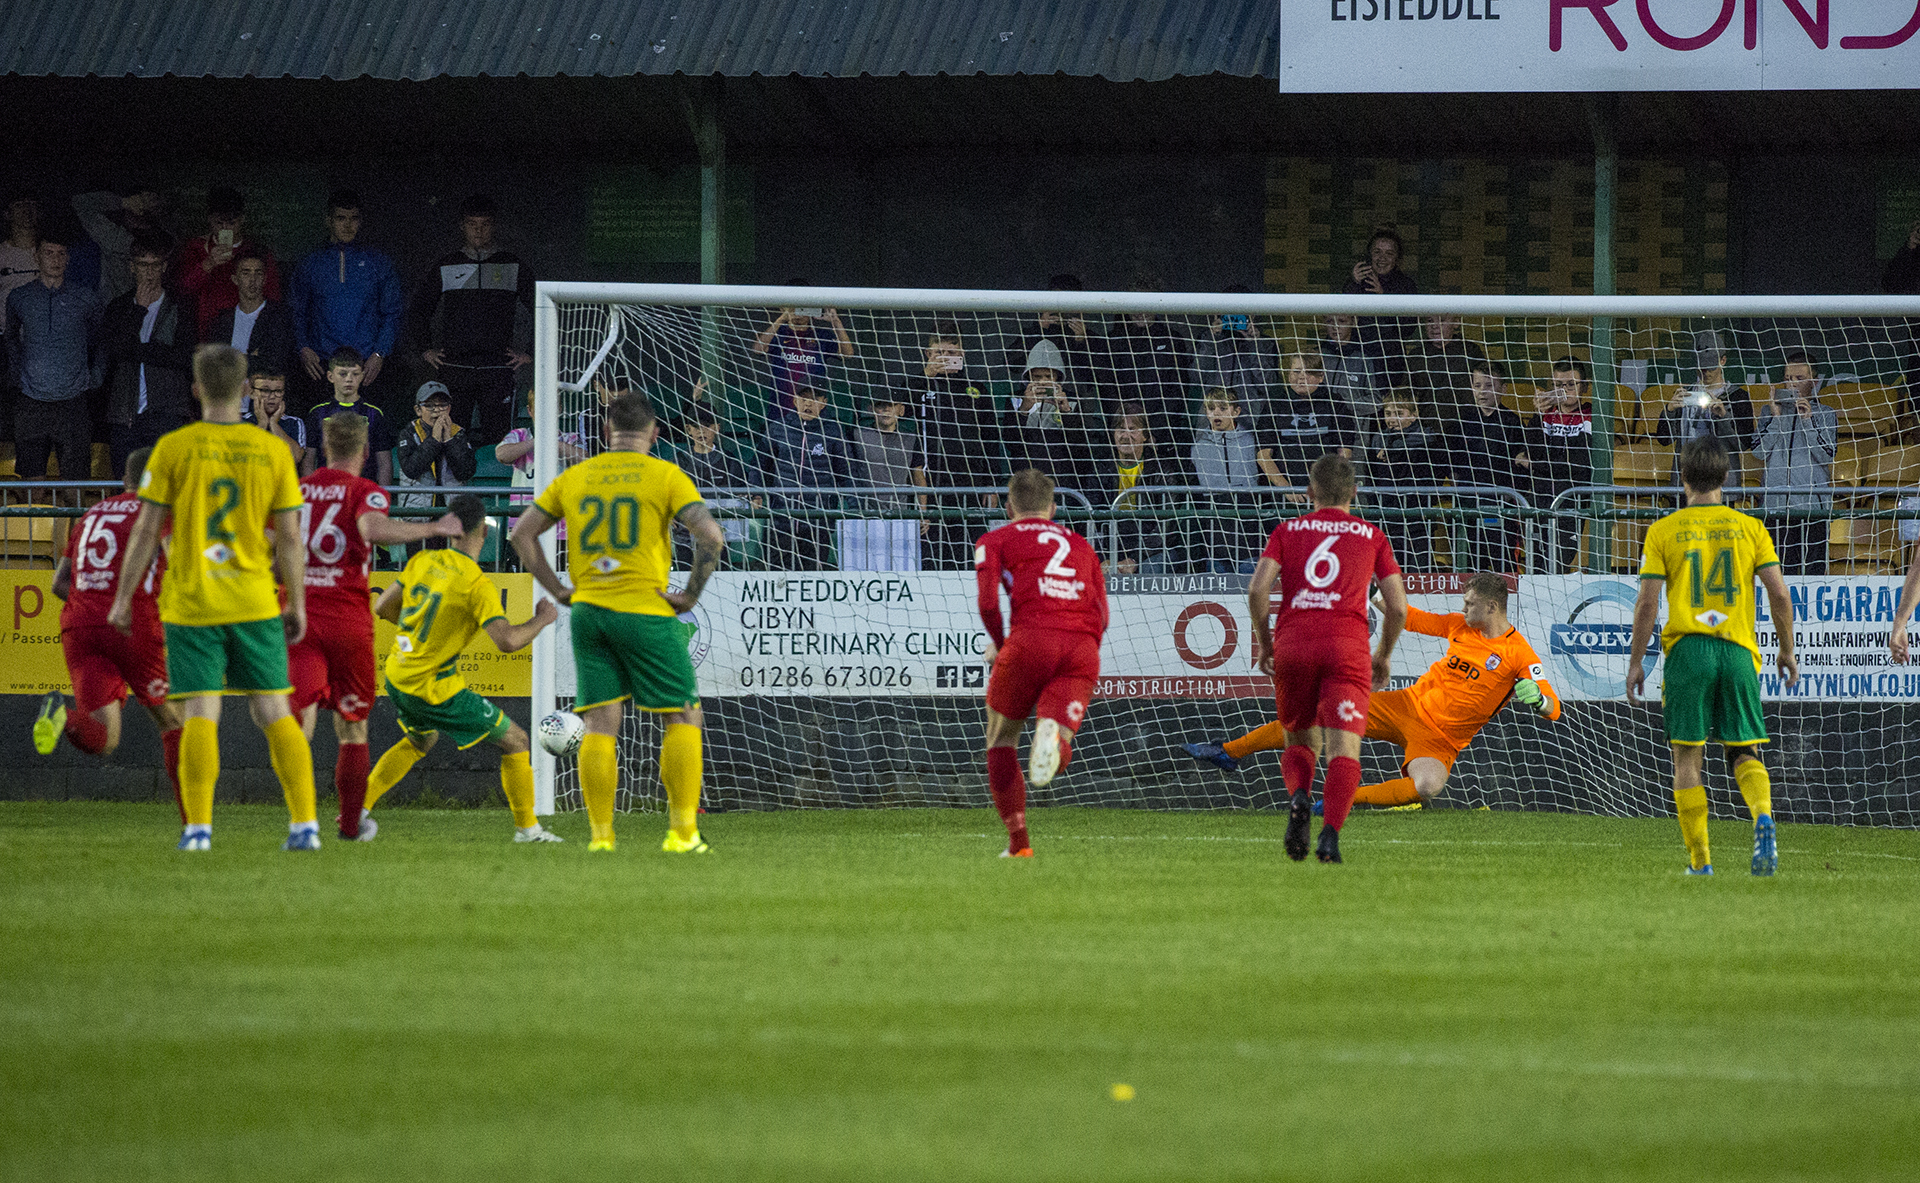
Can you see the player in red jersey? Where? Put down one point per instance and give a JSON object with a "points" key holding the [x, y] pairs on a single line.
{"points": [[103, 663], [332, 666], [1323, 681], [1049, 661]]}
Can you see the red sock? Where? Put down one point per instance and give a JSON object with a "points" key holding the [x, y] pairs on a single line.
{"points": [[1343, 781], [1009, 790], [170, 751], [86, 732], [350, 781], [1297, 768]]}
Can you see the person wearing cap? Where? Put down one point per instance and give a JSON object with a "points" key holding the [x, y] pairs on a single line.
{"points": [[204, 266], [477, 292], [432, 450], [58, 349], [1709, 407]]}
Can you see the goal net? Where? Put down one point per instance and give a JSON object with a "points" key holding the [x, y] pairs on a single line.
{"points": [[853, 443]]}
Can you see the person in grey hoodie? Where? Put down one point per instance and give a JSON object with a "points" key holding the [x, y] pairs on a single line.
{"points": [[1226, 456], [1796, 441], [1051, 426]]}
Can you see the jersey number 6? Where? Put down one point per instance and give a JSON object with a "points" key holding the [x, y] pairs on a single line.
{"points": [[1323, 566]]}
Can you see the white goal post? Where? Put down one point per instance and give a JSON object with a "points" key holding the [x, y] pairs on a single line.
{"points": [[1558, 542]]}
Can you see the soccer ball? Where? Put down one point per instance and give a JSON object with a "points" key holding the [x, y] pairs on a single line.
{"points": [[560, 733]]}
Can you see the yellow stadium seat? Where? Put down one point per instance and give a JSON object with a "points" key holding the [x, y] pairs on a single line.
{"points": [[1642, 464], [31, 542], [1897, 466]]}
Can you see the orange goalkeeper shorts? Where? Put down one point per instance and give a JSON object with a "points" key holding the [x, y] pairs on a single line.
{"points": [[1393, 717]]}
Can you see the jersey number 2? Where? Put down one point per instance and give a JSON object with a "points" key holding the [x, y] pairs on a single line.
{"points": [[1062, 547]]}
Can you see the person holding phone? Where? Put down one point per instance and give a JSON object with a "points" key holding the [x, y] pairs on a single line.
{"points": [[203, 268], [1233, 353], [1796, 441], [798, 348], [1385, 338]]}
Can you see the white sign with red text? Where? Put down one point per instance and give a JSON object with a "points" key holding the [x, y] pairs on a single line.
{"points": [[1397, 46]]}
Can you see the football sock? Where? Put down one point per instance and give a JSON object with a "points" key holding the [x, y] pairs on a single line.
{"points": [[599, 781], [199, 768], [1009, 791], [1692, 804], [393, 765], [1756, 786], [293, 764], [170, 752], [1399, 791], [1297, 766], [350, 781], [1343, 780], [86, 732], [1263, 738], [680, 770], [516, 781]]}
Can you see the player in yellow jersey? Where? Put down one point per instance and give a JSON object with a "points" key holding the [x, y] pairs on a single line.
{"points": [[620, 507], [231, 495], [440, 600], [1706, 558]]}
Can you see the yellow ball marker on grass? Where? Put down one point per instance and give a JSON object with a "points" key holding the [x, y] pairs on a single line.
{"points": [[1121, 1092]]}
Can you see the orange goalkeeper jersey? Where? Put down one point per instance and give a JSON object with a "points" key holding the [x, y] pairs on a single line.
{"points": [[1461, 691]]}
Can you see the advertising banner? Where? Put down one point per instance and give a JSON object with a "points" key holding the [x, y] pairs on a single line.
{"points": [[1387, 46], [859, 635]]}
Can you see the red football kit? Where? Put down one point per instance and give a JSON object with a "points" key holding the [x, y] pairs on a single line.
{"points": [[1322, 662], [333, 664], [1051, 658], [102, 661]]}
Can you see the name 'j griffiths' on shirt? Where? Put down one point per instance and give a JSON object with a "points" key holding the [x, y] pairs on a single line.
{"points": [[1414, 10]]}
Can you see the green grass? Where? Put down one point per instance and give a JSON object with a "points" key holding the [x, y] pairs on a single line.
{"points": [[874, 996]]}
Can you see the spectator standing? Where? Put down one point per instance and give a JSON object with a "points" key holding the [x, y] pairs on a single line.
{"points": [[344, 376], [962, 437], [807, 451], [1384, 338], [1051, 427], [432, 450], [1441, 370], [1355, 382], [1226, 456], [259, 327], [1148, 362], [478, 292], [1796, 441], [798, 342], [207, 265], [1148, 544], [345, 296], [1490, 448], [1077, 338], [1306, 424], [54, 334], [149, 333], [113, 221], [1559, 452], [19, 266], [1232, 353], [267, 410], [888, 457], [1709, 407], [1403, 453], [720, 475]]}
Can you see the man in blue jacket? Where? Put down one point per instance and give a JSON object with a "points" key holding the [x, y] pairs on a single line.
{"points": [[345, 294], [807, 451], [53, 329]]}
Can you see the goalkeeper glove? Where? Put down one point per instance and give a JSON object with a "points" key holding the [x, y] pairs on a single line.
{"points": [[1528, 692]]}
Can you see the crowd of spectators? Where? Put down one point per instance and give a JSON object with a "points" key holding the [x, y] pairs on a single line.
{"points": [[1205, 426]]}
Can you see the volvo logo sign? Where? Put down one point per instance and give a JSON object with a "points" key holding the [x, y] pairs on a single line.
{"points": [[1595, 638]]}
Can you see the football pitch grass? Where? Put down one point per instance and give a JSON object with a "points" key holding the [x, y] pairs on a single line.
{"points": [[873, 995]]}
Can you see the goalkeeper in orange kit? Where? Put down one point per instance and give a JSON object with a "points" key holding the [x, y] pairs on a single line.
{"points": [[1433, 720]]}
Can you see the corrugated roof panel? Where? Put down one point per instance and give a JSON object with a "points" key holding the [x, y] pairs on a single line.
{"points": [[1140, 40]]}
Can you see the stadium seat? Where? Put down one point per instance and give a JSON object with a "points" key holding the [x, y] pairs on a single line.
{"points": [[1864, 408], [488, 470], [1863, 540], [1642, 464], [1897, 466], [32, 541]]}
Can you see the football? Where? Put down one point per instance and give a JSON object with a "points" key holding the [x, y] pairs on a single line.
{"points": [[560, 733]]}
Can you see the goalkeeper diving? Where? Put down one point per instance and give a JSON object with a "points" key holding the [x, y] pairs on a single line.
{"points": [[1433, 720]]}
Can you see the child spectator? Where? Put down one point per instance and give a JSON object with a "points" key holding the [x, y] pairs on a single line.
{"points": [[961, 434], [267, 409], [1050, 427], [887, 457], [343, 375], [1306, 424], [807, 451], [1148, 544], [1559, 452], [1490, 448], [1441, 369], [1231, 352], [1354, 381], [706, 463], [1403, 453], [799, 348], [433, 450], [1225, 455]]}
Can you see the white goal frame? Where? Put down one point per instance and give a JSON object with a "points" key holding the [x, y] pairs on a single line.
{"points": [[548, 386]]}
